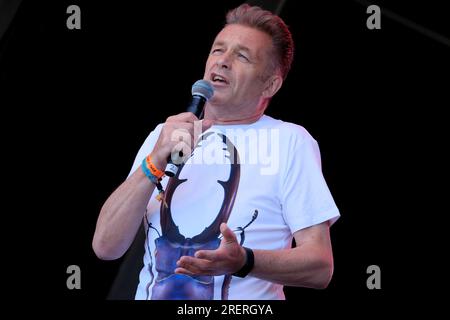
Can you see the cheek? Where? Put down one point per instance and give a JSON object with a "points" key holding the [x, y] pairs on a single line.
{"points": [[209, 63], [245, 83]]}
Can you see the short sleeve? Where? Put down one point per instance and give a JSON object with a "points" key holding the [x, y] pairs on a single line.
{"points": [[305, 197]]}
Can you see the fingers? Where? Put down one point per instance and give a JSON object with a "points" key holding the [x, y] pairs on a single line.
{"points": [[228, 234], [206, 254], [184, 271], [190, 265], [189, 117], [181, 152], [183, 117], [178, 137]]}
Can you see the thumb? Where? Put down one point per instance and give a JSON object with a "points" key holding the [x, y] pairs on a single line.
{"points": [[228, 235]]}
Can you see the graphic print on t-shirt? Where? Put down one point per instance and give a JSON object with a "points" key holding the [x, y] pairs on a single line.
{"points": [[171, 245]]}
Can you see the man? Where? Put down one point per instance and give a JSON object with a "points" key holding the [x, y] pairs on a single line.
{"points": [[224, 224]]}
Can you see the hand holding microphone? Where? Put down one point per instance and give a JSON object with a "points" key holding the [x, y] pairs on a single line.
{"points": [[172, 145]]}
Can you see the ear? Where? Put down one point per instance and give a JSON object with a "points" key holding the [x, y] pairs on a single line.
{"points": [[273, 84]]}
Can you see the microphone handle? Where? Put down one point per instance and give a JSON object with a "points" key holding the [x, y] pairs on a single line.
{"points": [[196, 107]]}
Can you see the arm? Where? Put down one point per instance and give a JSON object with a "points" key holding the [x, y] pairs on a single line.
{"points": [[309, 264], [122, 214]]}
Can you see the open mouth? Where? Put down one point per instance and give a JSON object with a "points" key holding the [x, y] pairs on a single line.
{"points": [[218, 79]]}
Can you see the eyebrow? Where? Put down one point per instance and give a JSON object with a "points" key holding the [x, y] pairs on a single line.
{"points": [[239, 47]]}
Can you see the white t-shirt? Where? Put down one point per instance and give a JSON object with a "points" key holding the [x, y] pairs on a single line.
{"points": [[278, 174]]}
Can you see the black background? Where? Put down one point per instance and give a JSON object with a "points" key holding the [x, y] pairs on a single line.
{"points": [[77, 105]]}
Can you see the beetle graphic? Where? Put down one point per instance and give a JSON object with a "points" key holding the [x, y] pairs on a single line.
{"points": [[171, 244]]}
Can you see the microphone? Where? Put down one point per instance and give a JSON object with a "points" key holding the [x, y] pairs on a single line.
{"points": [[201, 91]]}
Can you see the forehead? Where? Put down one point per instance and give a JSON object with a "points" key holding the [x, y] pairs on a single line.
{"points": [[239, 35]]}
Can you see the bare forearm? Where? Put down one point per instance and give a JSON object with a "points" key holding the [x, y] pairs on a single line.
{"points": [[300, 266], [122, 213], [121, 216], [310, 264]]}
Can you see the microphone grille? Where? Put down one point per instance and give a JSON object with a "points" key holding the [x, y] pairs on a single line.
{"points": [[203, 88]]}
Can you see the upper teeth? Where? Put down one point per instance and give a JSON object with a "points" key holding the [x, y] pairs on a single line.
{"points": [[218, 78]]}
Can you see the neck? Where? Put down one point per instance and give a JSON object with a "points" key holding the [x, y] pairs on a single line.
{"points": [[247, 120], [226, 118]]}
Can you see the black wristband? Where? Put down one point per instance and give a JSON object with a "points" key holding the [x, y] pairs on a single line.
{"points": [[248, 266]]}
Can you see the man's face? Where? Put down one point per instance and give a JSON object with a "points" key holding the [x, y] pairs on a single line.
{"points": [[238, 66]]}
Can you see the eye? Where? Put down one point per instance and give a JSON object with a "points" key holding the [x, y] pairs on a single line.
{"points": [[243, 57], [216, 51]]}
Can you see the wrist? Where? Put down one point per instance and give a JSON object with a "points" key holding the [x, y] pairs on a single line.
{"points": [[248, 264], [158, 161]]}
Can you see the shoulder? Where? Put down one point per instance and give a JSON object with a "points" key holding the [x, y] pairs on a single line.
{"points": [[288, 131]]}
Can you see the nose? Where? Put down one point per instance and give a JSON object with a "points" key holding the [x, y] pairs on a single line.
{"points": [[224, 61]]}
